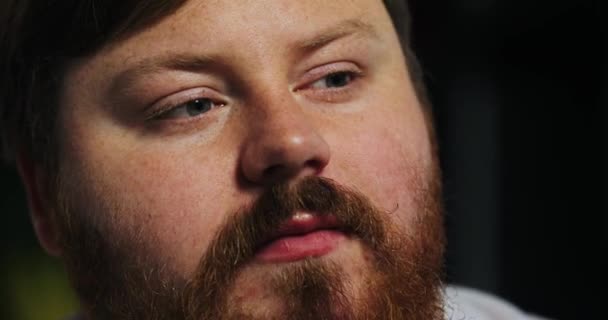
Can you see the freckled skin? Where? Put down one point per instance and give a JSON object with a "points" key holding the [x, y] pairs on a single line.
{"points": [[176, 186]]}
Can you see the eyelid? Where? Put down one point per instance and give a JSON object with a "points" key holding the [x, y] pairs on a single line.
{"points": [[318, 73], [168, 103]]}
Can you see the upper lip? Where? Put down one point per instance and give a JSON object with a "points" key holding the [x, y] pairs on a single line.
{"points": [[301, 225]]}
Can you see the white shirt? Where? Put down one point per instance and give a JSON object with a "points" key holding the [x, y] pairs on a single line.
{"points": [[469, 304]]}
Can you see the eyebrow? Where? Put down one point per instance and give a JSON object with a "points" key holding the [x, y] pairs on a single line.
{"points": [[343, 29], [201, 62], [150, 66]]}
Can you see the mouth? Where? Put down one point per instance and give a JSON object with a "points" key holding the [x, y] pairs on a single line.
{"points": [[304, 235]]}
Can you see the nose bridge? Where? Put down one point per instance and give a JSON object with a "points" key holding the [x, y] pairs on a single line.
{"points": [[283, 140], [275, 112]]}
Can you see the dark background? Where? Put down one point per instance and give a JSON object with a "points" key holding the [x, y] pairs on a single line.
{"points": [[520, 93], [519, 88]]}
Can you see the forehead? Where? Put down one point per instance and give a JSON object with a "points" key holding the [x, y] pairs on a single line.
{"points": [[227, 27]]}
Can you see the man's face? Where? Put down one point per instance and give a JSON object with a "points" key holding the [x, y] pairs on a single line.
{"points": [[171, 135]]}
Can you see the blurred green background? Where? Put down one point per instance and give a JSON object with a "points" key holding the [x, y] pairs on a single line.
{"points": [[34, 285]]}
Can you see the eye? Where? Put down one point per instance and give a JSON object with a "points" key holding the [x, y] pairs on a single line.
{"points": [[189, 109], [334, 80]]}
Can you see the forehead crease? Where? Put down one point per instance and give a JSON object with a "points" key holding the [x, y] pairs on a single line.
{"points": [[241, 18], [296, 34], [157, 64], [201, 60]]}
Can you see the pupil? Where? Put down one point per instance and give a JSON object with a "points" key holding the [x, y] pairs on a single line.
{"points": [[338, 80], [198, 106]]}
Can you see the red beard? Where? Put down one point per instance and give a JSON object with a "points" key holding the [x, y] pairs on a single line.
{"points": [[403, 282]]}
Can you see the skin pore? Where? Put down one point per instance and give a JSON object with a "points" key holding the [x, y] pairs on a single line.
{"points": [[172, 134]]}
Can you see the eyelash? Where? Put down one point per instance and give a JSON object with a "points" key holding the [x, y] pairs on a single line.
{"points": [[332, 94], [165, 113], [173, 105], [329, 94], [353, 76]]}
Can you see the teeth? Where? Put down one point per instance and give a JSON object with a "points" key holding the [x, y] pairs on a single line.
{"points": [[302, 216]]}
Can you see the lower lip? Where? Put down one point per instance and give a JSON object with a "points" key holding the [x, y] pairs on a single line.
{"points": [[294, 248]]}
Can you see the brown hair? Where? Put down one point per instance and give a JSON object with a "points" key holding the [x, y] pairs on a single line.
{"points": [[39, 38]]}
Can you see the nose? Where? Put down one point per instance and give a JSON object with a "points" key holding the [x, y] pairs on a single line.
{"points": [[283, 144]]}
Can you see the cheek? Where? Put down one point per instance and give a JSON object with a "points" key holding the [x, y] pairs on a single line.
{"points": [[386, 152], [167, 202], [389, 161]]}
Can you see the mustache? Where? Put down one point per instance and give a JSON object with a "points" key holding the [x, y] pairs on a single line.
{"points": [[242, 234]]}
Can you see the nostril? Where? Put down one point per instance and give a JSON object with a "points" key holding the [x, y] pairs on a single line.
{"points": [[272, 170], [280, 170], [274, 157], [313, 163]]}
